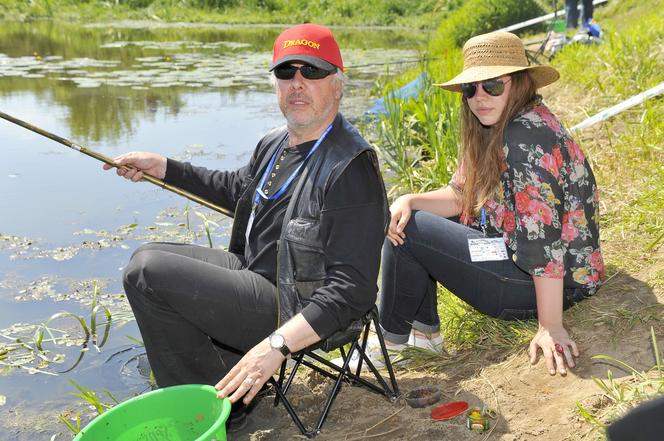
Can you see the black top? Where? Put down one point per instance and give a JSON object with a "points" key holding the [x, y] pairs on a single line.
{"points": [[351, 218]]}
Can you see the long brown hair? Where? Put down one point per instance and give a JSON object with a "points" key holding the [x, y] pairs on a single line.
{"points": [[482, 146]]}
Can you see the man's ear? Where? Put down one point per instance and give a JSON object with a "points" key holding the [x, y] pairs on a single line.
{"points": [[339, 91]]}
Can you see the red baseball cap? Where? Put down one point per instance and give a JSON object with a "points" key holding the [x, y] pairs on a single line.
{"points": [[309, 43]]}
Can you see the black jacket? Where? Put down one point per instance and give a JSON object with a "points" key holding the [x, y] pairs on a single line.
{"points": [[301, 266]]}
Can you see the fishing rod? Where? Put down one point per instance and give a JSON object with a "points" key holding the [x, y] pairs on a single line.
{"points": [[109, 161]]}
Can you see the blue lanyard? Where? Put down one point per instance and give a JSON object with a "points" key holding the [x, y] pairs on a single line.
{"points": [[259, 190], [483, 220]]}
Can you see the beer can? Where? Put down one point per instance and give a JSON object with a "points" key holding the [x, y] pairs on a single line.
{"points": [[477, 419]]}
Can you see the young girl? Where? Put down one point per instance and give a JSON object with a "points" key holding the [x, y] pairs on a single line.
{"points": [[527, 241]]}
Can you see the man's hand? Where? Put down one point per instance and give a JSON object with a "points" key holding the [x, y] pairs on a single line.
{"points": [[250, 373], [134, 165]]}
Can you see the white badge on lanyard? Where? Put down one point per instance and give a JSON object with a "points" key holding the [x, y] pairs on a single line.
{"points": [[485, 249]]}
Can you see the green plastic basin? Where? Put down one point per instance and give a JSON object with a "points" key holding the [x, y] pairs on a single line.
{"points": [[191, 412]]}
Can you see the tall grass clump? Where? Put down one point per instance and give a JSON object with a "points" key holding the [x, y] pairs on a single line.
{"points": [[476, 17], [417, 137], [91, 398], [626, 150], [619, 396]]}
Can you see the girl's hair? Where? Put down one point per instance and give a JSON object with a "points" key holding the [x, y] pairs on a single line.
{"points": [[482, 146]]}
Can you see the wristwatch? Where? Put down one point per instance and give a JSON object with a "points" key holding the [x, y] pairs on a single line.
{"points": [[278, 342]]}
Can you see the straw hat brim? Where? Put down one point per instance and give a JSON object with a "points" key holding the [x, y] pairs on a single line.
{"points": [[541, 75]]}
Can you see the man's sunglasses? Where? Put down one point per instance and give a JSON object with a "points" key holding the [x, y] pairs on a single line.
{"points": [[494, 87], [287, 72]]}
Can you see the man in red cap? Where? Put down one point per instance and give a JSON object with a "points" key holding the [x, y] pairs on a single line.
{"points": [[310, 212]]}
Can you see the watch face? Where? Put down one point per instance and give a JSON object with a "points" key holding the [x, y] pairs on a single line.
{"points": [[277, 341]]}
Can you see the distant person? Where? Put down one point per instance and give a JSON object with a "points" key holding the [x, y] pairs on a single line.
{"points": [[515, 234], [310, 212], [572, 13]]}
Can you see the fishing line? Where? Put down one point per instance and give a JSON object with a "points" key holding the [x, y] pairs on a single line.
{"points": [[109, 161]]}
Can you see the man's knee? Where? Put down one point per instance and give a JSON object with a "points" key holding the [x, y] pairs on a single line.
{"points": [[135, 273]]}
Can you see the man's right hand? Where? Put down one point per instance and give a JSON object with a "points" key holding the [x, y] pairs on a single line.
{"points": [[134, 165]]}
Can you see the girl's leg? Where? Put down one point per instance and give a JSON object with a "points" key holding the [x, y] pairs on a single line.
{"points": [[436, 249]]}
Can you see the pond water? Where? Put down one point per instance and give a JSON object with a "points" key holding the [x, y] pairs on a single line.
{"points": [[193, 92]]}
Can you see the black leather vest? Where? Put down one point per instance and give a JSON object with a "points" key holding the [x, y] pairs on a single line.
{"points": [[300, 254]]}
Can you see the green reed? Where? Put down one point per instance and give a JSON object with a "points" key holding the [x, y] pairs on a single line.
{"points": [[619, 396], [89, 329], [90, 397], [206, 226], [417, 137]]}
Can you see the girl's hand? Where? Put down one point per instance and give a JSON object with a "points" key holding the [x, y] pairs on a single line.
{"points": [[557, 346], [401, 212]]}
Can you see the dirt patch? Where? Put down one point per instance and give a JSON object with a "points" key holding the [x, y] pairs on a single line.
{"points": [[529, 403]]}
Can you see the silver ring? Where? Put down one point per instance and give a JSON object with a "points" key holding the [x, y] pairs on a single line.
{"points": [[249, 380]]}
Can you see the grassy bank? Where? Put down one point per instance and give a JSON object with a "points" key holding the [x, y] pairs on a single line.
{"points": [[625, 152], [421, 14]]}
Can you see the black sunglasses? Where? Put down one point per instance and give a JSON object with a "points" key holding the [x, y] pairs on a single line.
{"points": [[287, 72], [494, 87]]}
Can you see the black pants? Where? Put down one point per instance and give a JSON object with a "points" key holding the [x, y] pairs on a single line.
{"points": [[572, 12], [198, 310], [436, 250]]}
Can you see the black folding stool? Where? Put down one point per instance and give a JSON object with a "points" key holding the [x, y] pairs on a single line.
{"points": [[357, 334]]}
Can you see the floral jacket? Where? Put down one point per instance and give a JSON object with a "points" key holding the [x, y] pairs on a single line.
{"points": [[548, 211]]}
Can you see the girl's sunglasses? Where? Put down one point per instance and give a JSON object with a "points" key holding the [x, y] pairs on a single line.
{"points": [[287, 72], [494, 87]]}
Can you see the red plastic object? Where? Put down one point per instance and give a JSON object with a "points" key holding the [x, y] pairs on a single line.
{"points": [[449, 410]]}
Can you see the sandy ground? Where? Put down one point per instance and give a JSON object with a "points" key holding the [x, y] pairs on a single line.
{"points": [[530, 403]]}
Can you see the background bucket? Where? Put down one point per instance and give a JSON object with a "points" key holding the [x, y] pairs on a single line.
{"points": [[559, 26], [191, 412]]}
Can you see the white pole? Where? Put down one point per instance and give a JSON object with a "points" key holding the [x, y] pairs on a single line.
{"points": [[630, 102]]}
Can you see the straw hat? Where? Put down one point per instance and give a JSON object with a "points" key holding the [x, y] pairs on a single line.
{"points": [[496, 54]]}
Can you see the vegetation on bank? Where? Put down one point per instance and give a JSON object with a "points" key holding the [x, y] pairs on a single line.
{"points": [[418, 140], [422, 14]]}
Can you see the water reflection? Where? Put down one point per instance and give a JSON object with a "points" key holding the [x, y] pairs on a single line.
{"points": [[190, 92]]}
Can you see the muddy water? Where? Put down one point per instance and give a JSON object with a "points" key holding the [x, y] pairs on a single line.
{"points": [[193, 92]]}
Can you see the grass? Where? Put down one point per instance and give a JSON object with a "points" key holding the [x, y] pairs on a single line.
{"points": [[32, 354], [90, 397], [626, 156], [618, 397], [626, 151], [422, 14]]}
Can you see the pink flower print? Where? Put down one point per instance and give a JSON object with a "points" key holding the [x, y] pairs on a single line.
{"points": [[558, 156], [533, 191], [554, 270], [569, 233], [549, 119], [597, 261], [509, 222], [541, 212], [577, 217], [522, 201], [548, 163], [575, 152]]}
